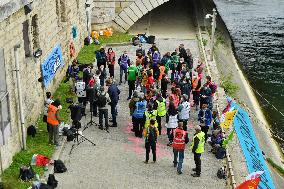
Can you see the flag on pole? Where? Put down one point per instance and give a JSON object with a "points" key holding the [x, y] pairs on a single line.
{"points": [[227, 107], [249, 184], [227, 140], [229, 118]]}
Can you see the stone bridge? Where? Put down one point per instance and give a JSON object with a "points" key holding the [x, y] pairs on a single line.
{"points": [[121, 14]]}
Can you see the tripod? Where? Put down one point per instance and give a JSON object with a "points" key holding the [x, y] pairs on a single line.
{"points": [[91, 122], [77, 140]]}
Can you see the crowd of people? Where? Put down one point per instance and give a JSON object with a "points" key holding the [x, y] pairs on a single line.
{"points": [[160, 87]]}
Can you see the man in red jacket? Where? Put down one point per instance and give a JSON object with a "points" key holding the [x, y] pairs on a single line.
{"points": [[180, 138]]}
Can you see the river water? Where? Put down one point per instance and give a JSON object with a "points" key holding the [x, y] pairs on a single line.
{"points": [[257, 31]]}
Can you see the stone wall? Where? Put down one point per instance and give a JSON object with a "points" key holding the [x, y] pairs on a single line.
{"points": [[54, 20], [121, 14]]}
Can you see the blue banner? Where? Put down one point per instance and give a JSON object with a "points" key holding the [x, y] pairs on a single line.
{"points": [[253, 154], [51, 65]]}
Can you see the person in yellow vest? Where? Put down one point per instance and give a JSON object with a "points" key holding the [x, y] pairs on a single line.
{"points": [[197, 147], [160, 106], [53, 119], [150, 114], [151, 134]]}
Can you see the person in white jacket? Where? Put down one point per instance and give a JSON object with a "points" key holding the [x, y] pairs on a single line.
{"points": [[171, 121], [184, 111]]}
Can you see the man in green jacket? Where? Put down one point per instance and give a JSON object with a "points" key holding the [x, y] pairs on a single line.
{"points": [[132, 75]]}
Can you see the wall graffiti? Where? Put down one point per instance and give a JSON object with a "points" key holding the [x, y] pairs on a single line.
{"points": [[51, 65]]}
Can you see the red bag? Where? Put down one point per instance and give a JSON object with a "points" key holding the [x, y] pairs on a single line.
{"points": [[41, 160]]}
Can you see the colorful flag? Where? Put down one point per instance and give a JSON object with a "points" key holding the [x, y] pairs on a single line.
{"points": [[229, 118], [227, 140], [249, 184], [254, 175], [227, 107]]}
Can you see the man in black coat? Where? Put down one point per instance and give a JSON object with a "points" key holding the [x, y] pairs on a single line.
{"points": [[113, 92]]}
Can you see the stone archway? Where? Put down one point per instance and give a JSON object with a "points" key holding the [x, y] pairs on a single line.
{"points": [[137, 9]]}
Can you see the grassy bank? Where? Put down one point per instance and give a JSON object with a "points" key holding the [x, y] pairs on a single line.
{"points": [[87, 54], [39, 144]]}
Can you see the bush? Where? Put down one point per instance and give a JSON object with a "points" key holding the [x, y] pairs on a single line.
{"points": [[229, 86]]}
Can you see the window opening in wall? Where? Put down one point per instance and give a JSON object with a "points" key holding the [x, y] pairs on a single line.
{"points": [[5, 126], [26, 38], [35, 31]]}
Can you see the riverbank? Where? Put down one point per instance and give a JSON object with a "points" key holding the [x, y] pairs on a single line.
{"points": [[227, 65]]}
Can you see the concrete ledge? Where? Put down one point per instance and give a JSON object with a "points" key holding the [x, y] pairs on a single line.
{"points": [[131, 14], [126, 19], [141, 6], [154, 3], [136, 10], [121, 23], [148, 5]]}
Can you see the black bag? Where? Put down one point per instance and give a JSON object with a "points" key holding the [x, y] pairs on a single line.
{"points": [[70, 135], [102, 100], [45, 186], [220, 153], [87, 41], [31, 130], [151, 39], [26, 173], [59, 166], [52, 181], [221, 173]]}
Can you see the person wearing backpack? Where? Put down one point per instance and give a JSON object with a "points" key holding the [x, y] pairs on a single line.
{"points": [[184, 111], [151, 134], [123, 62], [103, 99], [180, 138], [138, 116]]}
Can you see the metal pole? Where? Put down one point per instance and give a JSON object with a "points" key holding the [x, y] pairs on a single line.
{"points": [[213, 34], [20, 97]]}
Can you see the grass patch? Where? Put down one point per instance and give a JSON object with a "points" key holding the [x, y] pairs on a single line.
{"points": [[279, 169], [229, 86], [87, 53], [37, 145]]}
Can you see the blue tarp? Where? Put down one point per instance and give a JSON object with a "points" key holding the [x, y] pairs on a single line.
{"points": [[51, 65], [252, 152]]}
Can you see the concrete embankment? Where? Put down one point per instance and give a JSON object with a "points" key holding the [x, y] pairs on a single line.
{"points": [[227, 65]]}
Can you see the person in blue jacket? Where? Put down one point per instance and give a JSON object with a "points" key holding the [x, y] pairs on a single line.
{"points": [[205, 119]]}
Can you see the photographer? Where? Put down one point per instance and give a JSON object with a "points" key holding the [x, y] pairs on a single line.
{"points": [[103, 99], [80, 90]]}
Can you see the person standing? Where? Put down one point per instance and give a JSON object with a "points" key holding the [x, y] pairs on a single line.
{"points": [[111, 61], [132, 75], [184, 111], [123, 62], [151, 134], [171, 121], [197, 147], [103, 99], [150, 114], [180, 138], [47, 102], [138, 115], [113, 92], [160, 105], [53, 119], [205, 118], [196, 85], [101, 58]]}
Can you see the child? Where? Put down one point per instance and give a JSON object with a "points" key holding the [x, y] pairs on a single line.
{"points": [[151, 134]]}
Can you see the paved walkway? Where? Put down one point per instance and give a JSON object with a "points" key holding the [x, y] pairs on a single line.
{"points": [[117, 160]]}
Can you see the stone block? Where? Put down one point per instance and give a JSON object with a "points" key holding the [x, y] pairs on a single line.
{"points": [[126, 18], [121, 23], [154, 3], [136, 10], [131, 14], [160, 2], [147, 4], [141, 6]]}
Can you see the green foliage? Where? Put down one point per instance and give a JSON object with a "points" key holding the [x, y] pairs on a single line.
{"points": [[205, 41], [275, 166], [87, 53], [39, 144], [229, 86]]}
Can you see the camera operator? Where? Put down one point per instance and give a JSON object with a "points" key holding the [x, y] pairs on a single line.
{"points": [[103, 99], [113, 92], [53, 119]]}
